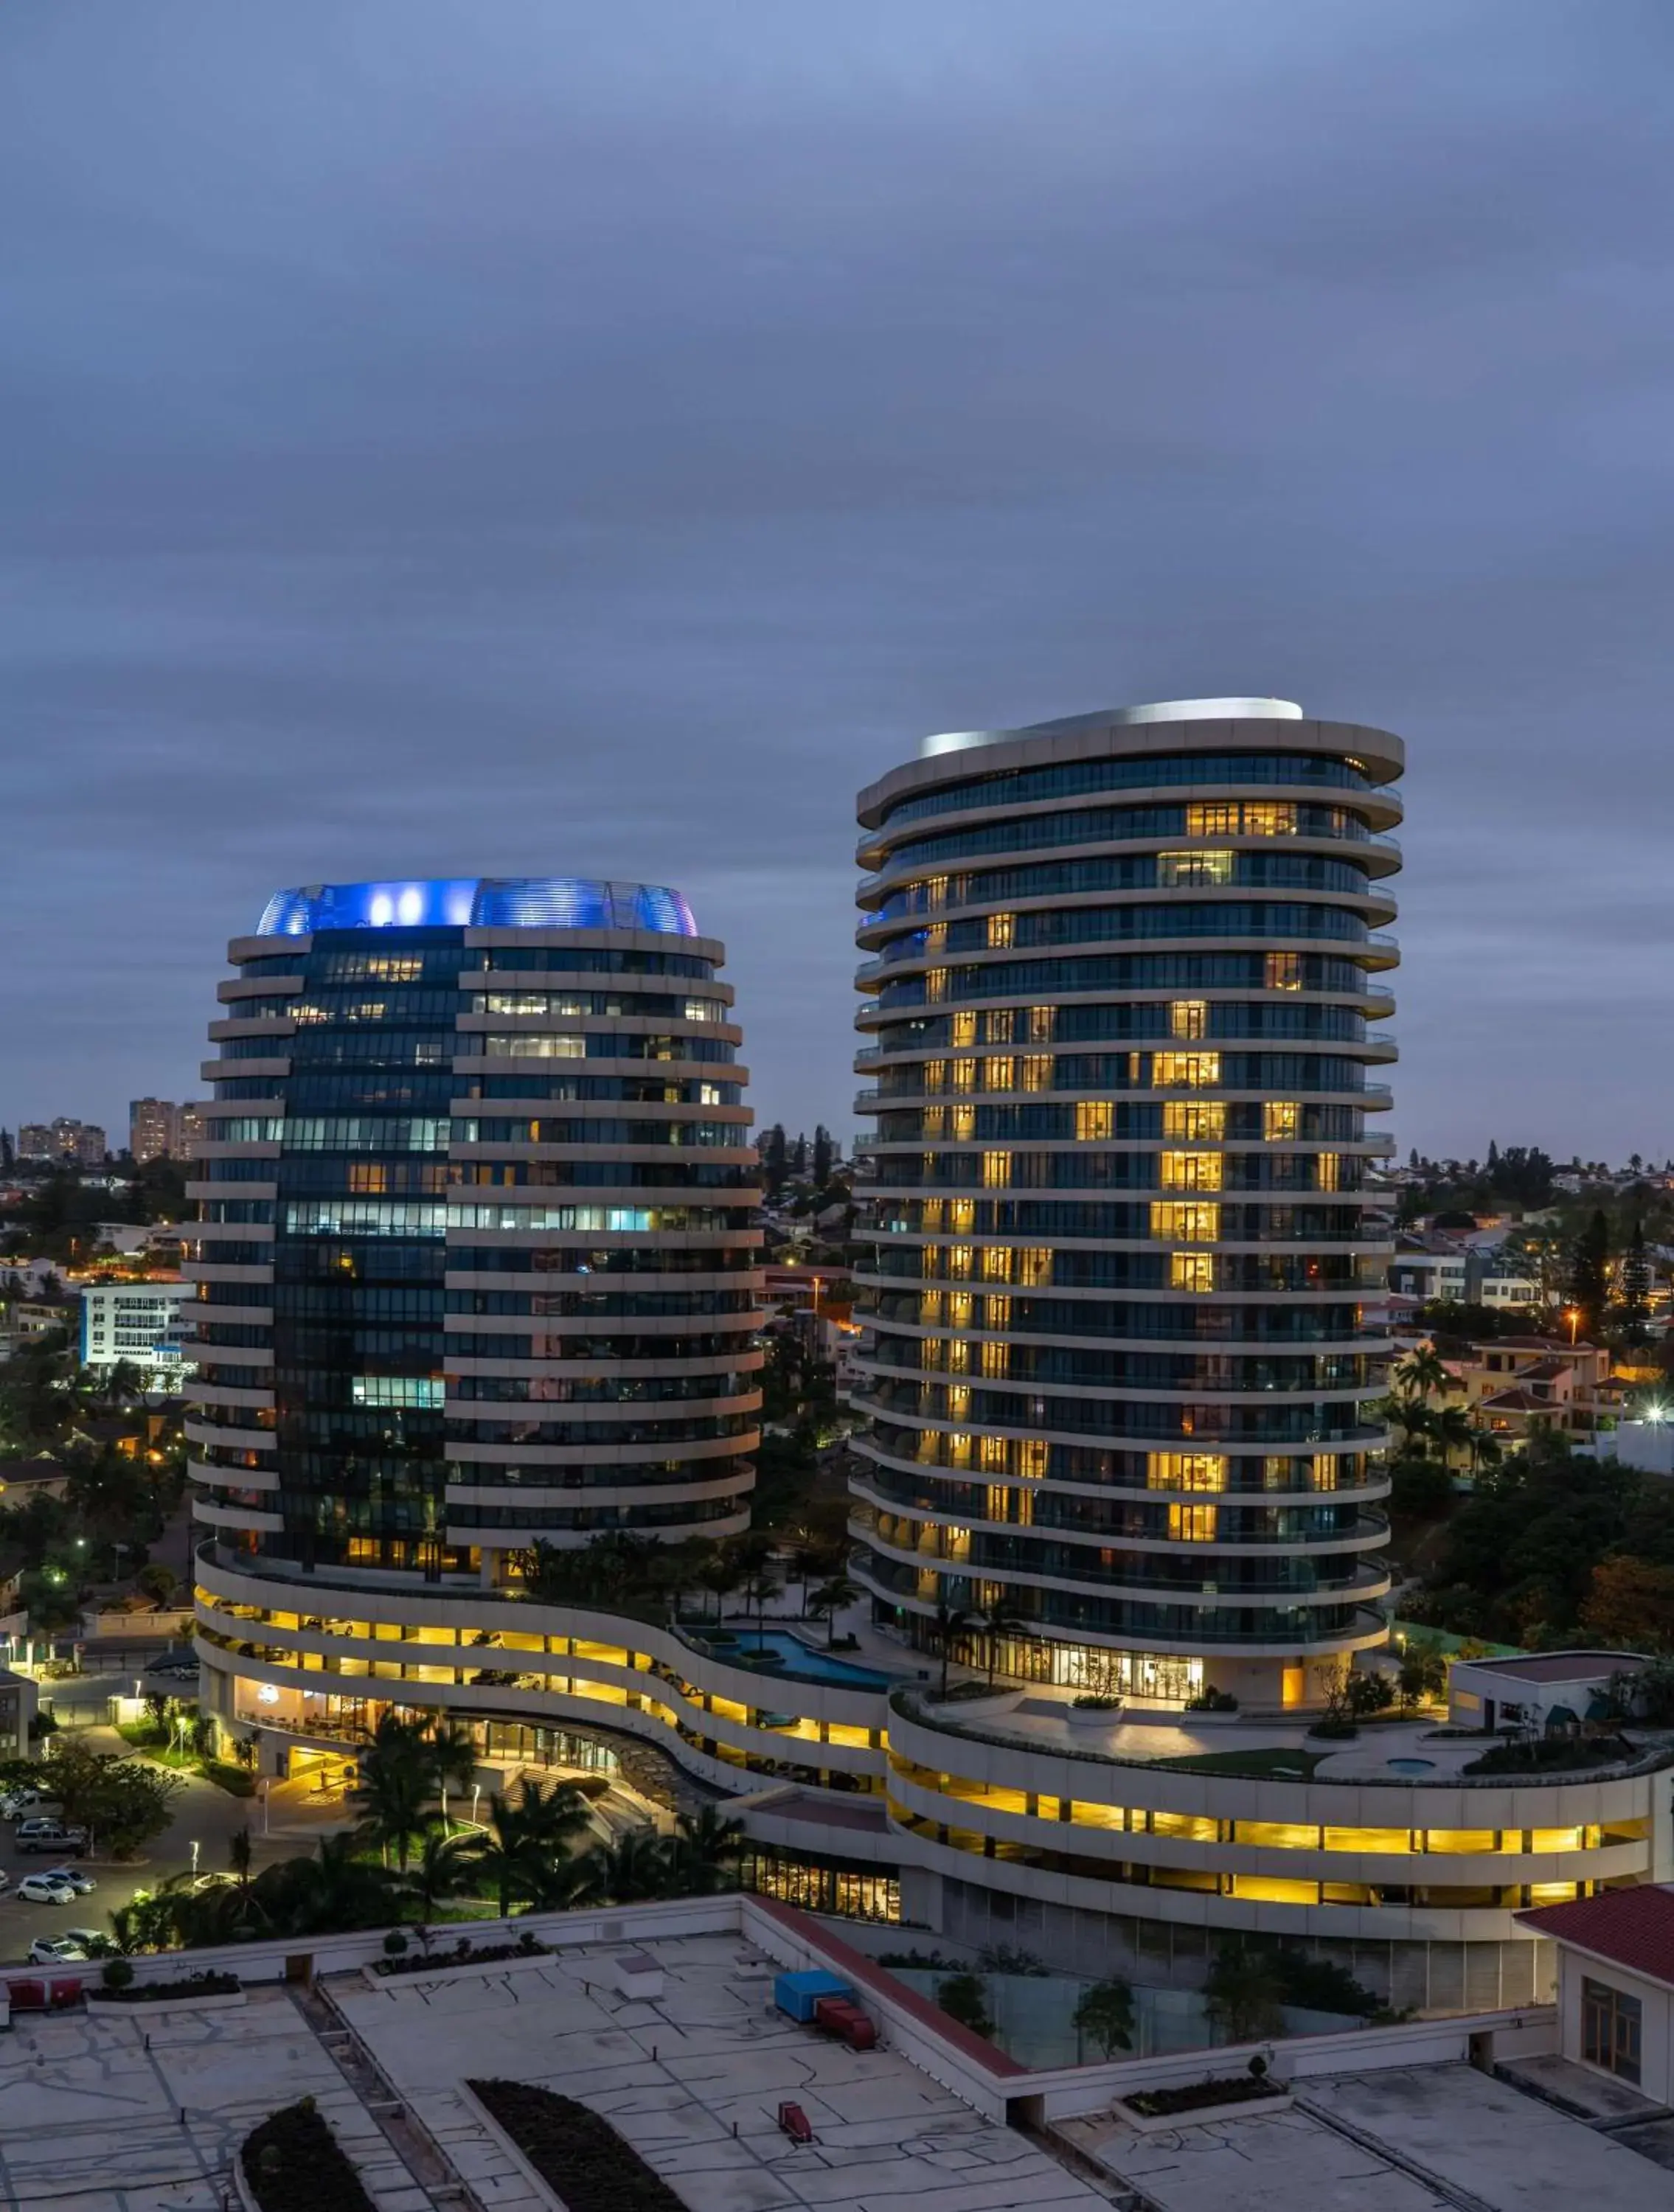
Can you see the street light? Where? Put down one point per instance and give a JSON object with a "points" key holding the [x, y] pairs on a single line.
{"points": [[194, 1859], [1573, 1315]]}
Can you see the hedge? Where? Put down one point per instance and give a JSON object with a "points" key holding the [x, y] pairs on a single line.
{"points": [[577, 2152]]}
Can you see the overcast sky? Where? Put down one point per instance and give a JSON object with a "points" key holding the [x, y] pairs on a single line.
{"points": [[507, 436]]}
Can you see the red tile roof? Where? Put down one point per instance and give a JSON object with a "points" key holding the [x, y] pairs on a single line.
{"points": [[1635, 1928]]}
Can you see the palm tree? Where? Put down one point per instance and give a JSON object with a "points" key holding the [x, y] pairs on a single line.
{"points": [[758, 1590], [1000, 1620], [444, 1868], [952, 1621], [1453, 1430], [1421, 1374], [395, 1785], [634, 1868], [830, 1599], [702, 1853], [328, 1894], [452, 1759], [721, 1576], [240, 1851], [523, 1839]]}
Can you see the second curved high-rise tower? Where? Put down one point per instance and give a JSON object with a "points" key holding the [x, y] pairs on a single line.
{"points": [[1121, 1018]]}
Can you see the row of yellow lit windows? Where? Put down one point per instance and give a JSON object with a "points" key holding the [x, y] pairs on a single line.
{"points": [[999, 1071], [956, 1355], [1270, 1835], [960, 1309], [1247, 817], [1207, 1471], [1027, 1264], [1023, 1456], [1003, 1026]]}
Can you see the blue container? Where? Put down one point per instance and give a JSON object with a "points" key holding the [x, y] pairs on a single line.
{"points": [[798, 1994]]}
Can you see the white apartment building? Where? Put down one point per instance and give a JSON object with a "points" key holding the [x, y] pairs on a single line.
{"points": [[139, 1322]]}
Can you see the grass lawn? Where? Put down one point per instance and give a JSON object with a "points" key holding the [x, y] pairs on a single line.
{"points": [[1260, 1765]]}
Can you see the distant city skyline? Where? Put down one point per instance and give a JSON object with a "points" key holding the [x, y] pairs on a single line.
{"points": [[671, 423]]}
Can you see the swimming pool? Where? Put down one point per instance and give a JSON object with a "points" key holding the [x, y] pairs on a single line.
{"points": [[800, 1660], [1412, 1767]]}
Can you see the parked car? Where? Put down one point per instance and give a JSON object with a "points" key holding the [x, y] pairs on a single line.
{"points": [[93, 1942], [82, 1884], [56, 1951], [42, 1889], [17, 1803], [51, 1836]]}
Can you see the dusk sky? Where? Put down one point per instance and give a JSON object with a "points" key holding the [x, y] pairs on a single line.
{"points": [[512, 437]]}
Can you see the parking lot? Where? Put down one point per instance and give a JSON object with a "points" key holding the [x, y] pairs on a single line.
{"points": [[296, 1816]]}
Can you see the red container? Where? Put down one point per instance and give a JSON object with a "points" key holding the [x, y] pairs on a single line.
{"points": [[28, 1996]]}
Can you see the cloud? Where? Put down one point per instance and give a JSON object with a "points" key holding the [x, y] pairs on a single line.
{"points": [[446, 438]]}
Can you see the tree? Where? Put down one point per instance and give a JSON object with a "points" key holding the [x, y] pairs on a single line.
{"points": [[327, 1893], [442, 1868], [636, 1868], [823, 1153], [829, 1600], [758, 1590], [775, 1162], [453, 1751], [240, 1851], [1243, 1995], [1105, 2016], [703, 1853], [124, 1803], [1421, 1374], [952, 1621], [525, 1835], [1589, 1274], [1630, 1601], [395, 1785], [1420, 1488], [1000, 1621], [964, 1999], [1635, 1286]]}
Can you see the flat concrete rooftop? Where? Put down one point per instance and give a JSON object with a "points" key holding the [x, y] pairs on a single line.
{"points": [[694, 2080], [1411, 2139]]}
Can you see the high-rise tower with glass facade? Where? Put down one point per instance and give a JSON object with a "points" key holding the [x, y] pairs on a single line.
{"points": [[477, 1262], [1122, 1022]]}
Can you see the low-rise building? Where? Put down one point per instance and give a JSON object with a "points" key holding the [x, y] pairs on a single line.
{"points": [[139, 1324], [1615, 1984]]}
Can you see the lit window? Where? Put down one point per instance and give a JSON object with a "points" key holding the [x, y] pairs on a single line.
{"points": [[1184, 1071], [1213, 820], [1174, 869], [996, 1360], [1191, 1271], [1193, 1524], [936, 1075], [1034, 1267], [1181, 1221], [958, 1308], [1193, 1120], [1324, 1471], [935, 983], [993, 1461], [964, 1028], [1040, 1024], [935, 1121], [935, 937], [1189, 1018], [1037, 1071], [996, 1311], [958, 1263], [1095, 1120], [962, 1216], [996, 1263], [1033, 1456], [959, 1401], [1190, 1171], [965, 1123], [368, 1177], [929, 1307], [959, 1356], [932, 1214], [1281, 1120], [1186, 1471], [1284, 971], [1330, 1172], [1000, 927], [996, 1171], [998, 1073], [964, 1075], [999, 1025], [958, 1449]]}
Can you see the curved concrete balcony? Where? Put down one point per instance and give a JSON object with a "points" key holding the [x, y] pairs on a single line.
{"points": [[1367, 1632], [1370, 1529], [1373, 1487]]}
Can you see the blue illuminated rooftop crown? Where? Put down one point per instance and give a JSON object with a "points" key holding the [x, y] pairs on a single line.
{"points": [[478, 902]]}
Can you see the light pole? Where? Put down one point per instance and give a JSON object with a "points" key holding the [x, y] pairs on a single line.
{"points": [[476, 1792], [194, 1859]]}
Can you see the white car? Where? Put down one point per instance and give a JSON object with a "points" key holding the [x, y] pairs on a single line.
{"points": [[56, 1951], [91, 1942], [17, 1803], [43, 1889], [82, 1884]]}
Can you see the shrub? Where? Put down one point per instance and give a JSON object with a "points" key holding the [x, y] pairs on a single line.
{"points": [[577, 2152], [294, 2163], [1091, 1702], [1211, 1700], [1196, 2096], [117, 1975], [180, 1992], [964, 1999], [464, 1954]]}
